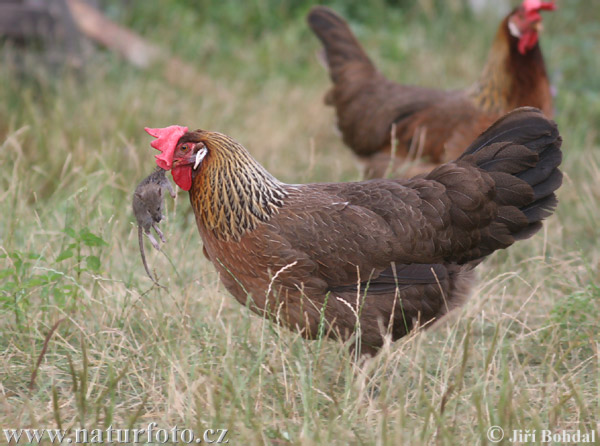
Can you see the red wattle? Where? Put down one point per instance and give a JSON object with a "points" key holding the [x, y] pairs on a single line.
{"points": [[527, 41], [183, 177]]}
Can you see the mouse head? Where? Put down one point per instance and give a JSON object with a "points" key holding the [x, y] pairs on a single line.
{"points": [[152, 200]]}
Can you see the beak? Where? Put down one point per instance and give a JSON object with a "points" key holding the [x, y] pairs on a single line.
{"points": [[538, 26]]}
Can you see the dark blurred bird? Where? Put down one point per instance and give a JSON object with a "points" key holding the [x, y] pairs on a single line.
{"points": [[430, 125], [372, 257]]}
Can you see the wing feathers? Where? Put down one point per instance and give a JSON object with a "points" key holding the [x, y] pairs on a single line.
{"points": [[398, 276]]}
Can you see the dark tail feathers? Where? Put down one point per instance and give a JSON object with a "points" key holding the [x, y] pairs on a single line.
{"points": [[342, 50], [521, 152]]}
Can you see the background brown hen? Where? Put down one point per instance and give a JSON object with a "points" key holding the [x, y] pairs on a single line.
{"points": [[431, 124], [298, 252]]}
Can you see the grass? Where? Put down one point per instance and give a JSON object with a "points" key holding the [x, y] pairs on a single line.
{"points": [[113, 350]]}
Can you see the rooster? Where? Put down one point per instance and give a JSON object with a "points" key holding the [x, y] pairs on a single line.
{"points": [[374, 257], [431, 125]]}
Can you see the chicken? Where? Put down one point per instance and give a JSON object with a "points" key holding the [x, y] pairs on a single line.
{"points": [[372, 257], [431, 126]]}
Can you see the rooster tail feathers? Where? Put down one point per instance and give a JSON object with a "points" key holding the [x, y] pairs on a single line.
{"points": [[343, 52]]}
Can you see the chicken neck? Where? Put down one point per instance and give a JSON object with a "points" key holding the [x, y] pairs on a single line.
{"points": [[231, 192]]}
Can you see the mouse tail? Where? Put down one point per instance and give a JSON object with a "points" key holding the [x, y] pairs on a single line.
{"points": [[141, 241]]}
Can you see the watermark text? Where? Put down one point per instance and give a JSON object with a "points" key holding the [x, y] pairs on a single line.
{"points": [[148, 434], [495, 434]]}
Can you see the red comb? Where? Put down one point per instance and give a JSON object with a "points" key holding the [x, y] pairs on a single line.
{"points": [[532, 10], [166, 143], [538, 5]]}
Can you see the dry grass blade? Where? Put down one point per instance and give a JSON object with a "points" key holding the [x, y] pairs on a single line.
{"points": [[43, 352]]}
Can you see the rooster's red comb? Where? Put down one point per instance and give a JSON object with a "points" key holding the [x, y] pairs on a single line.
{"points": [[166, 142]]}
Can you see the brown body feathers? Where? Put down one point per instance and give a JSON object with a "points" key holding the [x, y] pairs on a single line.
{"points": [[298, 252]]}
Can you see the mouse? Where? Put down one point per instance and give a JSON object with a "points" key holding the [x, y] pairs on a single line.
{"points": [[148, 205]]}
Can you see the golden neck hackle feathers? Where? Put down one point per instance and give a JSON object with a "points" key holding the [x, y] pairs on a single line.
{"points": [[510, 79], [232, 193], [491, 90]]}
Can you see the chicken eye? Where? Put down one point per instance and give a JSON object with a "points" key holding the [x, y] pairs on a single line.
{"points": [[184, 147]]}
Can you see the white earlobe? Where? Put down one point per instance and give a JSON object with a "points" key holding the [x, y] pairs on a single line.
{"points": [[514, 29], [200, 156]]}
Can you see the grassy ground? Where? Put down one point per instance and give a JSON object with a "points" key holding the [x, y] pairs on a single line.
{"points": [[522, 354]]}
